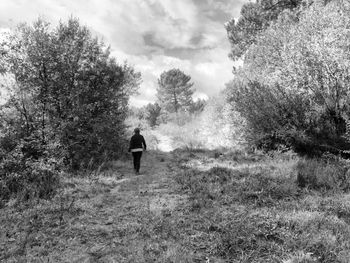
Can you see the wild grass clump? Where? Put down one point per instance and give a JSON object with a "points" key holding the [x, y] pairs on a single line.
{"points": [[259, 187], [274, 235], [191, 179], [262, 189], [321, 235], [251, 237], [204, 187], [320, 174]]}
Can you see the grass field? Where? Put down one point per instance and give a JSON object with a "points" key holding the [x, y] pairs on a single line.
{"points": [[255, 211], [189, 206]]}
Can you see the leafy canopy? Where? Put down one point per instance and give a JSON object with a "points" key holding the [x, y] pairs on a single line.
{"points": [[254, 19]]}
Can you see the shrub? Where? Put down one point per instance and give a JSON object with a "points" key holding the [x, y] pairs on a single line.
{"points": [[27, 178]]}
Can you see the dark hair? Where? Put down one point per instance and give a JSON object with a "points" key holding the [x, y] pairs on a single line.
{"points": [[137, 130]]}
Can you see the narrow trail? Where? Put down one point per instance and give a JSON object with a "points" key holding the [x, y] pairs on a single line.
{"points": [[116, 227], [109, 217]]}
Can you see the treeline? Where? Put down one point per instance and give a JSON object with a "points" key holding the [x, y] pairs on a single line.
{"points": [[191, 124], [293, 87], [67, 104], [174, 101]]}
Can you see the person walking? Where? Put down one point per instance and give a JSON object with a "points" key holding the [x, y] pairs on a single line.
{"points": [[137, 146]]}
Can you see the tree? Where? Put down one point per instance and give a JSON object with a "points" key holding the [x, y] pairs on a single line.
{"points": [[175, 90], [293, 86], [69, 91], [198, 106], [152, 114], [254, 19]]}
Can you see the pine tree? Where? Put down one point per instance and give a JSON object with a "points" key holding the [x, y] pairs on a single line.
{"points": [[175, 90]]}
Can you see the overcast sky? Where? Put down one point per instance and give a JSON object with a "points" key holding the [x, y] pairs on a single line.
{"points": [[152, 35]]}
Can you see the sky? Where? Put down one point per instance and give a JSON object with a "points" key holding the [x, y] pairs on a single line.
{"points": [[152, 35]]}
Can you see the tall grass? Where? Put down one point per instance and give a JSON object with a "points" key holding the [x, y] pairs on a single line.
{"points": [[260, 212], [321, 174]]}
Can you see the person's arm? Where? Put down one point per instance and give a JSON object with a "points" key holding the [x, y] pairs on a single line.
{"points": [[144, 143]]}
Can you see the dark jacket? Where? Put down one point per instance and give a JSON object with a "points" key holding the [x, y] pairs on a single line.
{"points": [[137, 141]]}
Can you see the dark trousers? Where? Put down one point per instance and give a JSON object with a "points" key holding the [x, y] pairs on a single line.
{"points": [[137, 160]]}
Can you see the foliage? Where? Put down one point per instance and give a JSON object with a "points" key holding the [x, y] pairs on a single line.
{"points": [[254, 19], [221, 125], [293, 84], [198, 106], [152, 114], [175, 90], [217, 126], [27, 178], [68, 90], [136, 118]]}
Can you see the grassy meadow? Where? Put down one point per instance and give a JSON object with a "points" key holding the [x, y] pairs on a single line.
{"points": [[189, 206], [268, 208], [225, 178]]}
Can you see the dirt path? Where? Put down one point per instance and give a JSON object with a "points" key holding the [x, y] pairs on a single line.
{"points": [[113, 217], [120, 223]]}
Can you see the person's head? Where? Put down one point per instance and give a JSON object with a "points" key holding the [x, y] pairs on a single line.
{"points": [[137, 130]]}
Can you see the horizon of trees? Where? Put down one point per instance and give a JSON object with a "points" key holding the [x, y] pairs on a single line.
{"points": [[174, 101]]}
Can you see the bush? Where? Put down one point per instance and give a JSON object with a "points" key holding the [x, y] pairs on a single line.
{"points": [[27, 178]]}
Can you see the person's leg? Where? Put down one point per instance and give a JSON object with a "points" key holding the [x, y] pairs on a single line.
{"points": [[138, 164], [134, 155]]}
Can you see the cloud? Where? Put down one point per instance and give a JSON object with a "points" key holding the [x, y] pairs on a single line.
{"points": [[152, 35]]}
